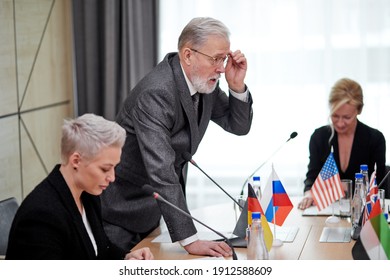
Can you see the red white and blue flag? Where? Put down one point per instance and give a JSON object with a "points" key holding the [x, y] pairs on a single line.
{"points": [[327, 187], [275, 201], [371, 197]]}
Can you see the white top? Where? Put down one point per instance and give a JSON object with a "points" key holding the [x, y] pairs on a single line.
{"points": [[89, 230]]}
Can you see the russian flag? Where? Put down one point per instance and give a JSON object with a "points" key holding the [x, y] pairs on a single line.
{"points": [[275, 201]]}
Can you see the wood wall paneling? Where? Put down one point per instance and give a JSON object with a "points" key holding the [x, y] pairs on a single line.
{"points": [[36, 90], [10, 177], [8, 93], [40, 149]]}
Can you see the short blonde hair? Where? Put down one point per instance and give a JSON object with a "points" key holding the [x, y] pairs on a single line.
{"points": [[88, 134]]}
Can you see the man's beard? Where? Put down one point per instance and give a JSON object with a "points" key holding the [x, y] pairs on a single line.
{"points": [[201, 84]]}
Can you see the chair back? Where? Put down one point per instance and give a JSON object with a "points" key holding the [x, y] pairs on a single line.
{"points": [[8, 208]]}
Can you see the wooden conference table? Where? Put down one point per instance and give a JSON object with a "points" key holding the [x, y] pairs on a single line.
{"points": [[305, 246]]}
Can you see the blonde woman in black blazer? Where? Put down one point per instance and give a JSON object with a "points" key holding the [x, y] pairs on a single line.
{"points": [[354, 143]]}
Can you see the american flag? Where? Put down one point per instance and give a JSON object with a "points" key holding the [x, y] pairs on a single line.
{"points": [[327, 187]]}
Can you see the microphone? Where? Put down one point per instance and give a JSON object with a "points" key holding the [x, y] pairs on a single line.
{"points": [[383, 180], [292, 136], [187, 156], [149, 190]]}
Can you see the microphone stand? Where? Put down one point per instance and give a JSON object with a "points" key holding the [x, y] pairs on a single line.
{"points": [[197, 166], [293, 135], [159, 197], [383, 180], [187, 156]]}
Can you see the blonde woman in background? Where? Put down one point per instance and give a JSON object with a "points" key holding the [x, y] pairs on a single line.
{"points": [[354, 142]]}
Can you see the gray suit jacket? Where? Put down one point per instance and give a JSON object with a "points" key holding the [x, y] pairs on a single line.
{"points": [[159, 118]]}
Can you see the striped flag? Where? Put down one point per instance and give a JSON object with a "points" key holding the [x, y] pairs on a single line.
{"points": [[275, 200], [374, 240], [371, 197], [327, 187], [373, 189], [254, 206]]}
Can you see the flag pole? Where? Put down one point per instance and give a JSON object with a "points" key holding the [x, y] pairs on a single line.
{"points": [[332, 219], [277, 242]]}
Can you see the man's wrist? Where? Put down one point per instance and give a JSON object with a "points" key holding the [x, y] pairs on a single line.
{"points": [[189, 240]]}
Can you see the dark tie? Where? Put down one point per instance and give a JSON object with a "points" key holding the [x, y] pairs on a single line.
{"points": [[195, 99]]}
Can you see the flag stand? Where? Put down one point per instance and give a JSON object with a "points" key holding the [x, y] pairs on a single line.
{"points": [[332, 219], [276, 242], [326, 189]]}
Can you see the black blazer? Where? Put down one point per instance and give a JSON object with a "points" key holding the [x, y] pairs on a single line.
{"points": [[48, 225], [369, 147], [160, 122]]}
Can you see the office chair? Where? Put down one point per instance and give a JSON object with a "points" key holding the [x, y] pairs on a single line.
{"points": [[8, 209]]}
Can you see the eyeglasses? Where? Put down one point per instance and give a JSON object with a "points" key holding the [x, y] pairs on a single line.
{"points": [[216, 61]]}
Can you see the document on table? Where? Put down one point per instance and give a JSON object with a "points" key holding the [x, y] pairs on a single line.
{"points": [[286, 234], [336, 235], [313, 211], [203, 235]]}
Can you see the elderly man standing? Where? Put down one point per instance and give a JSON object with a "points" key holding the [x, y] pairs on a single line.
{"points": [[165, 116]]}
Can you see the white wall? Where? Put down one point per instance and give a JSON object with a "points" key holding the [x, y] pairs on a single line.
{"points": [[296, 50]]}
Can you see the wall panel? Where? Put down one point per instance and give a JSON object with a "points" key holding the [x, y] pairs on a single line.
{"points": [[36, 90], [10, 177], [8, 95]]}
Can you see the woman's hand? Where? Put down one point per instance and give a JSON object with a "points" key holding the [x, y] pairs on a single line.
{"points": [[306, 201], [140, 254]]}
